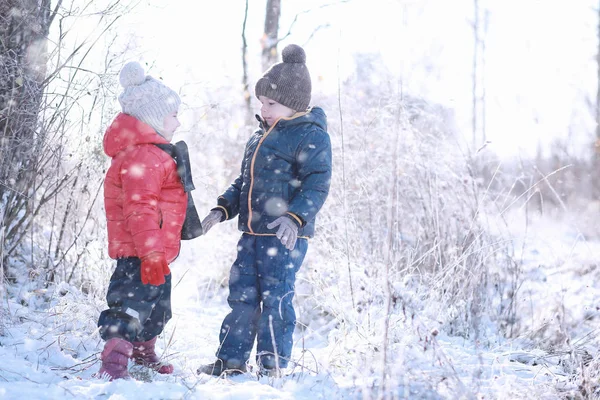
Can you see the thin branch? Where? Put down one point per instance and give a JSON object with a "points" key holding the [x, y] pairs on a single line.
{"points": [[344, 194], [289, 32], [314, 32], [245, 65], [87, 217], [54, 13]]}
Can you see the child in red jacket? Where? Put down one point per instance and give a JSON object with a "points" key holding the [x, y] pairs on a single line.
{"points": [[145, 199]]}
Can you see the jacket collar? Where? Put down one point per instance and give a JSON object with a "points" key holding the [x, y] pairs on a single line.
{"points": [[126, 131], [314, 115]]}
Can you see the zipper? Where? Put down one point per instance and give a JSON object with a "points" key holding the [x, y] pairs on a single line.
{"points": [[296, 115], [252, 175]]}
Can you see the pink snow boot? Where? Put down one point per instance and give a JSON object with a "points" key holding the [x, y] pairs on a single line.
{"points": [[144, 354], [115, 357]]}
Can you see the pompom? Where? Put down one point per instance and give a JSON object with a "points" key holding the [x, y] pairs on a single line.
{"points": [[132, 74], [293, 53]]}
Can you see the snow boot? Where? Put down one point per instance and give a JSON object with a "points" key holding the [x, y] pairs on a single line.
{"points": [[144, 354], [221, 367], [270, 372], [115, 357]]}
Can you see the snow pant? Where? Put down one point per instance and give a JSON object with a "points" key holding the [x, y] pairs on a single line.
{"points": [[263, 274], [136, 312]]}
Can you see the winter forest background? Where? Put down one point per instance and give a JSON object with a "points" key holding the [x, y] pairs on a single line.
{"points": [[457, 254]]}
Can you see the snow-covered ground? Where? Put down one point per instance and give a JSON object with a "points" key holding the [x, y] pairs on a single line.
{"points": [[53, 354]]}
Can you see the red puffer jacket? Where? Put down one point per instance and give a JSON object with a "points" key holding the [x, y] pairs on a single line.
{"points": [[143, 195]]}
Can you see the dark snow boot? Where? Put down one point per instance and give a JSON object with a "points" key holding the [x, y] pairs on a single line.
{"points": [[115, 357], [144, 354], [221, 367], [270, 372]]}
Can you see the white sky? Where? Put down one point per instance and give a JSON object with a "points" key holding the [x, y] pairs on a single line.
{"points": [[539, 62]]}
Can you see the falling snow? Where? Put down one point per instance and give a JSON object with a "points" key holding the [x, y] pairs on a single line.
{"points": [[369, 324]]}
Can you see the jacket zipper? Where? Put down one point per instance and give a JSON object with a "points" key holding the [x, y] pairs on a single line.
{"points": [[252, 175], [298, 114]]}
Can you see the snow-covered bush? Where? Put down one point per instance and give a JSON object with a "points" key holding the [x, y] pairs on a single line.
{"points": [[402, 237]]}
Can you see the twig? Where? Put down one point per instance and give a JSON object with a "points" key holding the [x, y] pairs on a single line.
{"points": [[275, 352], [344, 195]]}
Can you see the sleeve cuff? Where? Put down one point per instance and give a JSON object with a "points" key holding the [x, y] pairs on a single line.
{"points": [[225, 216], [223, 204], [296, 219]]}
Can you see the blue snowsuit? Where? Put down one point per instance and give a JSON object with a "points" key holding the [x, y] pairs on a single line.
{"points": [[286, 170]]}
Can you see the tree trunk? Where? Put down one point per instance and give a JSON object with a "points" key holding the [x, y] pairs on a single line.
{"points": [[482, 40], [269, 40], [480, 26], [24, 26], [475, 70], [597, 146], [247, 95]]}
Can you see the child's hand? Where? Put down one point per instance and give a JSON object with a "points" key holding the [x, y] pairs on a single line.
{"points": [[287, 232], [154, 268], [213, 218]]}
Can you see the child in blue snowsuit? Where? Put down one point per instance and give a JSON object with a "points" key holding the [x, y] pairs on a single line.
{"points": [[284, 181]]}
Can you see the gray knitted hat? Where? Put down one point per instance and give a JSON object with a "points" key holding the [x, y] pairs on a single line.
{"points": [[146, 98], [287, 82]]}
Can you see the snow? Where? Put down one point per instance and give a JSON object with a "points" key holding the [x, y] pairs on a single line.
{"points": [[54, 354], [49, 346]]}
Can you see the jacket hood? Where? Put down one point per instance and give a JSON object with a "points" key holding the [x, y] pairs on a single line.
{"points": [[314, 115], [126, 131]]}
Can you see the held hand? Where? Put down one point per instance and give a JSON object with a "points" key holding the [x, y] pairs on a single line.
{"points": [[154, 268], [287, 232], [213, 218]]}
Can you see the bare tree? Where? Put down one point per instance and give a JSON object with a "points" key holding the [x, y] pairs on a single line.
{"points": [[245, 84], [474, 72], [480, 23], [47, 100], [597, 146], [24, 27], [270, 36]]}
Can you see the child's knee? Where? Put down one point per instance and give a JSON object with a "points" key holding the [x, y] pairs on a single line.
{"points": [[247, 295]]}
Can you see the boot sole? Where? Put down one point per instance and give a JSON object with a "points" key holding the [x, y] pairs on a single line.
{"points": [[227, 372]]}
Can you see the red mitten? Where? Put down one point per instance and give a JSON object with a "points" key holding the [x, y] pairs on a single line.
{"points": [[154, 269]]}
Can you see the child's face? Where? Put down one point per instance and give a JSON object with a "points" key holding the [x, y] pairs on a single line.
{"points": [[170, 124], [271, 110]]}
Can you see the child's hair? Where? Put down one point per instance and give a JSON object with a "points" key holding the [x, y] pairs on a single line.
{"points": [[146, 98], [287, 82]]}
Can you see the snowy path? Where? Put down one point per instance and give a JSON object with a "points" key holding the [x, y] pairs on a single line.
{"points": [[54, 355], [38, 361], [32, 367]]}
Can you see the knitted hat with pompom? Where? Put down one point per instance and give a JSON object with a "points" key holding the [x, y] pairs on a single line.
{"points": [[287, 82], [146, 98]]}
